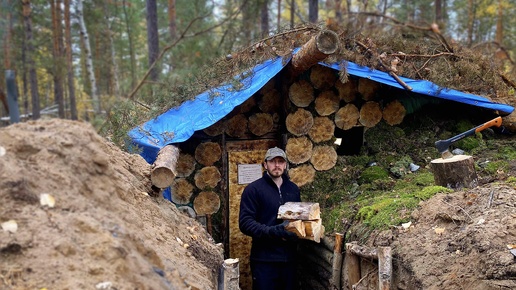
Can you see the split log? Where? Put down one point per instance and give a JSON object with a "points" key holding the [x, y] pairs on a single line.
{"points": [[315, 50], [323, 157], [181, 191], [271, 101], [368, 89], [323, 77], [351, 269], [206, 203], [347, 117], [208, 153], [216, 129], [394, 113], [337, 261], [322, 130], [301, 93], [299, 211], [370, 114], [300, 122], [230, 275], [455, 172], [312, 227], [237, 126], [327, 103], [260, 124], [347, 91], [302, 175], [185, 165], [298, 150], [164, 168], [317, 233], [207, 177], [384, 268], [297, 227], [364, 252]]}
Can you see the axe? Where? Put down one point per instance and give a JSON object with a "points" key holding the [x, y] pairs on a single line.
{"points": [[443, 145]]}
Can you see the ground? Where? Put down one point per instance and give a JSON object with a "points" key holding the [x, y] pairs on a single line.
{"points": [[109, 230]]}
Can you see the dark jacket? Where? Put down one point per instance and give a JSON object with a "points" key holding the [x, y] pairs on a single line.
{"points": [[259, 206]]}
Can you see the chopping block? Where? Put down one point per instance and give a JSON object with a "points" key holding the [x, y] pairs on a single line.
{"points": [[455, 172]]}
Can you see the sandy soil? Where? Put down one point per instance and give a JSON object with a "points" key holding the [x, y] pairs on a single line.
{"points": [[107, 229]]}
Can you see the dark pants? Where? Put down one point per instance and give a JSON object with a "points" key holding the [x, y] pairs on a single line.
{"points": [[274, 276]]}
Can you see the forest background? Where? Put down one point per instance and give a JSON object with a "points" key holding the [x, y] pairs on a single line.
{"points": [[118, 63]]}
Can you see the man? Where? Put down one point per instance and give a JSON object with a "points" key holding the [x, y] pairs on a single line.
{"points": [[273, 251]]}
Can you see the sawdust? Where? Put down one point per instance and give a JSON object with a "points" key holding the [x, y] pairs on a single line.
{"points": [[107, 229]]}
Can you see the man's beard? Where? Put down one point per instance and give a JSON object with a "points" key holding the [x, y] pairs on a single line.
{"points": [[276, 172]]}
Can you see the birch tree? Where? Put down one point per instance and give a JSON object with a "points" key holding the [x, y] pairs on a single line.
{"points": [[69, 62], [88, 56]]}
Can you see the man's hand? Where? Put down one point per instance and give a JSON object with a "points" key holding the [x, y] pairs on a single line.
{"points": [[279, 231]]}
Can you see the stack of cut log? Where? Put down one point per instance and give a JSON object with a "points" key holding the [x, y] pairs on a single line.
{"points": [[304, 219]]}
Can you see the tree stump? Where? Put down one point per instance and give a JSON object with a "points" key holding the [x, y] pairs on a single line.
{"points": [[455, 172]]}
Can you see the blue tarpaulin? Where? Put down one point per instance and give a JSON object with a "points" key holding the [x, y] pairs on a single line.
{"points": [[178, 124]]}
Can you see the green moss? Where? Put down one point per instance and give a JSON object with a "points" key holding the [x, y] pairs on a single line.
{"points": [[372, 173], [429, 191], [511, 180], [507, 152], [387, 211], [423, 178], [494, 166], [470, 143]]}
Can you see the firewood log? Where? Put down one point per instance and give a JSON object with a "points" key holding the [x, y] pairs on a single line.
{"points": [[270, 102], [207, 177], [317, 234], [327, 103], [370, 114], [181, 191], [315, 50], [185, 165], [260, 124], [368, 89], [297, 227], [248, 105], [302, 175], [298, 150], [394, 112], [322, 77], [299, 211], [206, 203], [164, 168], [237, 126], [216, 129], [347, 117], [299, 122], [347, 91], [322, 130], [208, 153], [187, 210], [323, 157], [301, 93]]}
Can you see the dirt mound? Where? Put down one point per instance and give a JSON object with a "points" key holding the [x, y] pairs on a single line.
{"points": [[107, 229], [460, 241]]}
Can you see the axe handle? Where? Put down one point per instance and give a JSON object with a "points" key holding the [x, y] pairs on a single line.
{"points": [[495, 122]]}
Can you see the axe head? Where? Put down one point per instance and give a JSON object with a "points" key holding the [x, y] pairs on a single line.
{"points": [[442, 146]]}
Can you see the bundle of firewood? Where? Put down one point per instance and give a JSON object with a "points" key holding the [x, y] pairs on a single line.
{"points": [[304, 219]]}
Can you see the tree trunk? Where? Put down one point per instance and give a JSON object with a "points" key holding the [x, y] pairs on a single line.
{"points": [[313, 11], [264, 18], [499, 24], [89, 60], [114, 66], [152, 36], [69, 61], [27, 19], [131, 49], [58, 63], [172, 26]]}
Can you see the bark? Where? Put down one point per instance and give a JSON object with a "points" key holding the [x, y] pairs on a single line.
{"points": [[314, 51], [164, 168], [384, 268], [337, 261], [455, 172], [152, 36], [89, 60], [69, 61], [27, 19], [57, 32], [172, 26], [230, 275]]}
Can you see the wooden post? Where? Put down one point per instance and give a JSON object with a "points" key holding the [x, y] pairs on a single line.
{"points": [[352, 266], [230, 275], [455, 172], [384, 268], [337, 261], [164, 167]]}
